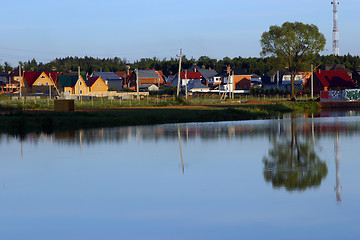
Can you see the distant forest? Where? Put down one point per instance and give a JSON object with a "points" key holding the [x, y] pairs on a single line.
{"points": [[88, 65]]}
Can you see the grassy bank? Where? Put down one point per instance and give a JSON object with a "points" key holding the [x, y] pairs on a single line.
{"points": [[14, 120], [23, 122]]}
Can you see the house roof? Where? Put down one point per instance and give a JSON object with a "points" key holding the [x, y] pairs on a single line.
{"points": [[146, 85], [335, 78], [31, 77], [196, 83], [92, 80], [208, 73], [160, 72], [191, 75], [106, 75], [70, 80], [122, 74], [148, 74]]}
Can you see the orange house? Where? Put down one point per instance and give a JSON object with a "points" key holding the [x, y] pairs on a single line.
{"points": [[240, 79], [97, 84]]}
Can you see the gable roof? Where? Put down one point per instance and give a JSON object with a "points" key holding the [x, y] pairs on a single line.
{"points": [[148, 74], [92, 80], [335, 78], [146, 85], [197, 85], [208, 73], [190, 75], [70, 80], [106, 76], [31, 77]]}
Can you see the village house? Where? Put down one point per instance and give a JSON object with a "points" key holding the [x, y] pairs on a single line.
{"points": [[73, 84], [197, 86], [325, 80], [186, 78], [208, 76], [111, 79], [282, 81], [236, 79], [40, 82], [145, 77], [148, 87], [97, 85]]}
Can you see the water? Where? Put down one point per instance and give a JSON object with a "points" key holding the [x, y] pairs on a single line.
{"points": [[236, 180]]}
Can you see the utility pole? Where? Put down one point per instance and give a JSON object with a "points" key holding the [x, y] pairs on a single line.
{"points": [[20, 73], [137, 84], [312, 81], [186, 83], [79, 80], [178, 85]]}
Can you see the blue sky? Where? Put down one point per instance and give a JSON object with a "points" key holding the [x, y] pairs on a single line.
{"points": [[135, 29]]}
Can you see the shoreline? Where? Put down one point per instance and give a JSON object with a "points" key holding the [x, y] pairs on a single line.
{"points": [[23, 122]]}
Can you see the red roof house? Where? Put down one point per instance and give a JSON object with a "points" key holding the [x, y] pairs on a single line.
{"points": [[325, 80]]}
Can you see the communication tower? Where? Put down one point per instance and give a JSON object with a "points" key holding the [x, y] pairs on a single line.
{"points": [[336, 29]]}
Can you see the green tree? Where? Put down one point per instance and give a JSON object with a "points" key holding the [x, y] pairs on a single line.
{"points": [[8, 67], [294, 45]]}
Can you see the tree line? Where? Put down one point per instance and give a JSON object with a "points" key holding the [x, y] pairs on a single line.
{"points": [[257, 65]]}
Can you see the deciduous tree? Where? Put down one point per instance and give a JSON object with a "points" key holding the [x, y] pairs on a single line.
{"points": [[294, 45]]}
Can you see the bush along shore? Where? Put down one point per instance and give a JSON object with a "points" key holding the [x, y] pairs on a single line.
{"points": [[19, 122]]}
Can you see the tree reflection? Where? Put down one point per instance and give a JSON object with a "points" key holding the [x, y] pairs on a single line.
{"points": [[293, 163]]}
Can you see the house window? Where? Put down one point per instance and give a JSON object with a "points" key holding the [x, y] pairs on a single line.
{"points": [[47, 84], [100, 84], [39, 84], [80, 91], [42, 77]]}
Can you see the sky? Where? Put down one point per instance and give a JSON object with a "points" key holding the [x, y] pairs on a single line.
{"points": [[136, 29]]}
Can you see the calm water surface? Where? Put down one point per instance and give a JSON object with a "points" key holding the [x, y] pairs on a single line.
{"points": [[292, 178]]}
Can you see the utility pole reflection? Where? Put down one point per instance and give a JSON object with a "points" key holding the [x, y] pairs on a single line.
{"points": [[337, 164], [182, 159]]}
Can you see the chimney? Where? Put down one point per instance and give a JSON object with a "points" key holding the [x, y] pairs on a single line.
{"points": [[228, 69], [194, 69]]}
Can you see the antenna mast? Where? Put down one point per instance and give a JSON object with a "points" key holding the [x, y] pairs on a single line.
{"points": [[336, 29]]}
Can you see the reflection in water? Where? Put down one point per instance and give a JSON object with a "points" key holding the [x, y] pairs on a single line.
{"points": [[181, 153], [293, 163], [337, 164]]}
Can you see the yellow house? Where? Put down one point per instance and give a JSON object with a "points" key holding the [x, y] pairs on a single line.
{"points": [[40, 82], [97, 84], [73, 84]]}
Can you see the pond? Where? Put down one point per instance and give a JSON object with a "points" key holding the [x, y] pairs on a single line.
{"points": [[290, 178]]}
